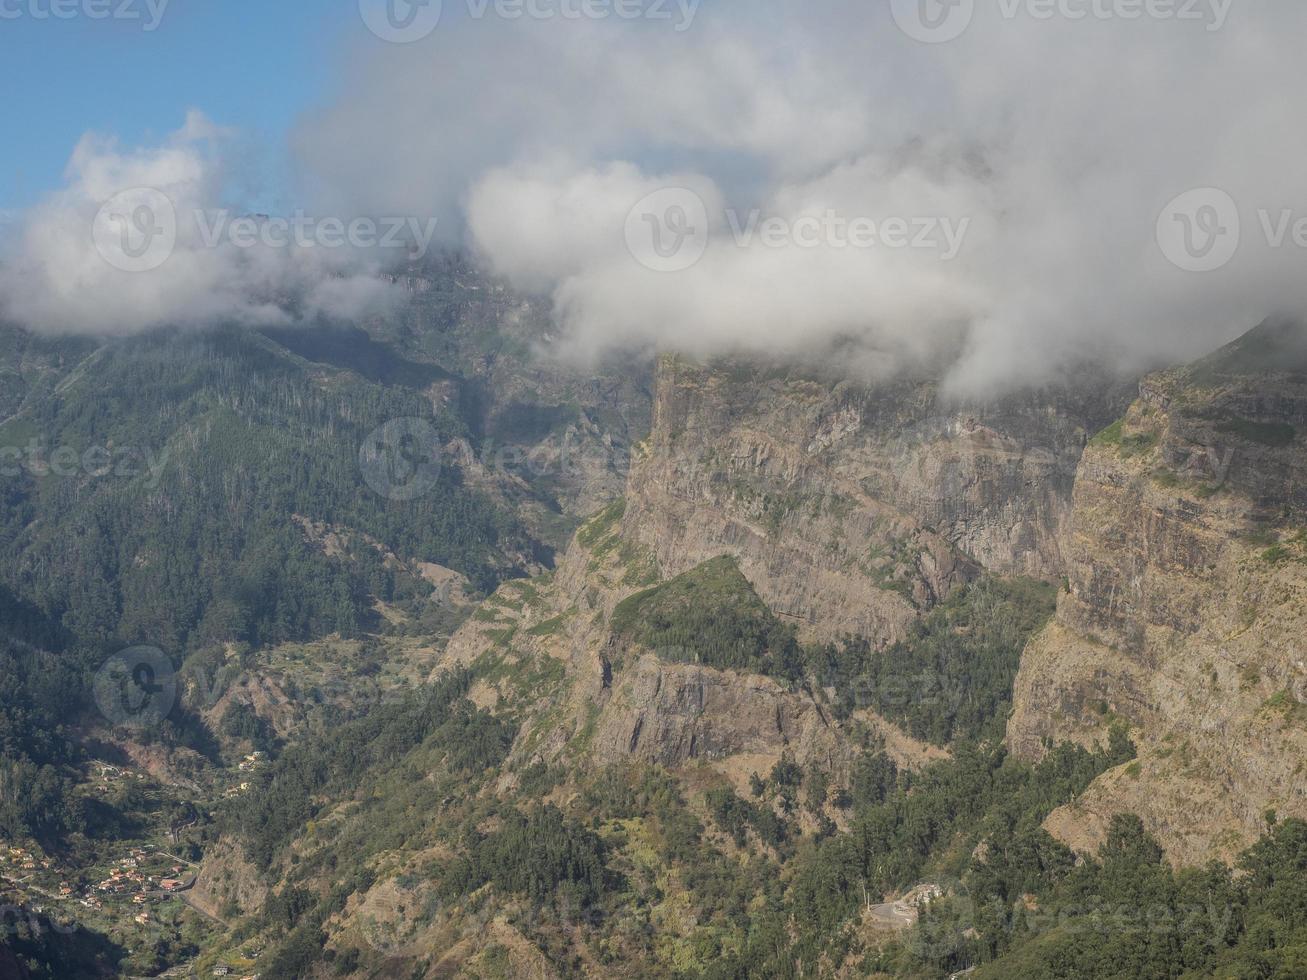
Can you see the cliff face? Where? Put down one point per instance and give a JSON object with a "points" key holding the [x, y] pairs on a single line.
{"points": [[1186, 568], [1180, 533], [850, 510], [850, 507], [587, 697]]}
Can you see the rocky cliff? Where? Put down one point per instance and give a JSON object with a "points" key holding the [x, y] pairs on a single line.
{"points": [[1186, 603], [547, 655], [852, 507], [767, 504]]}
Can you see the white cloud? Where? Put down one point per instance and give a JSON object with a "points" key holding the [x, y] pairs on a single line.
{"points": [[70, 266], [1060, 141]]}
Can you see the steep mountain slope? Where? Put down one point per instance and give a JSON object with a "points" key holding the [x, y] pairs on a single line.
{"points": [[567, 429], [661, 740], [1186, 603], [757, 695], [238, 452], [215, 494], [683, 640], [852, 507], [792, 479]]}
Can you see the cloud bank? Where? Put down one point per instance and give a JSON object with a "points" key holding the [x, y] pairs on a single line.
{"points": [[1045, 142], [141, 238]]}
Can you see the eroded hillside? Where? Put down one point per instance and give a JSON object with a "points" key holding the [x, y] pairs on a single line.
{"points": [[852, 508], [1185, 604]]}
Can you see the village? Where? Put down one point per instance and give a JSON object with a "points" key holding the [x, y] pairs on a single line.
{"points": [[142, 877], [136, 894]]}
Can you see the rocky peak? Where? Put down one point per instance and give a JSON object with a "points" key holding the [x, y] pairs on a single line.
{"points": [[852, 506], [1185, 602]]}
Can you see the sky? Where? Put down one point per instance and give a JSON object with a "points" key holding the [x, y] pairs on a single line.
{"points": [[248, 63], [1008, 186]]}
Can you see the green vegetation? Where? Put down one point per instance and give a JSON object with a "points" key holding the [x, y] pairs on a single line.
{"points": [[541, 855], [952, 677], [1128, 914], [438, 720], [199, 543], [893, 570], [241, 722], [738, 817], [602, 524], [602, 535], [1111, 436], [927, 828], [629, 870], [1275, 554], [46, 950], [1128, 445], [1276, 435], [711, 615], [550, 627]]}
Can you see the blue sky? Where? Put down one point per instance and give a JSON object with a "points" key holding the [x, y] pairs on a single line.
{"points": [[253, 64]]}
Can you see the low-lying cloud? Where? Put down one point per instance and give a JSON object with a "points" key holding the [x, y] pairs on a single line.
{"points": [[140, 238], [1011, 191]]}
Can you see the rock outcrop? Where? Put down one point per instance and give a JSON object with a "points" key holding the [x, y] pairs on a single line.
{"points": [[672, 713], [1180, 534], [853, 507], [1186, 604], [548, 656]]}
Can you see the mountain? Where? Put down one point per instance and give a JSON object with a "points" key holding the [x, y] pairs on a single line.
{"points": [[681, 670], [1185, 603], [210, 494], [853, 507]]}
